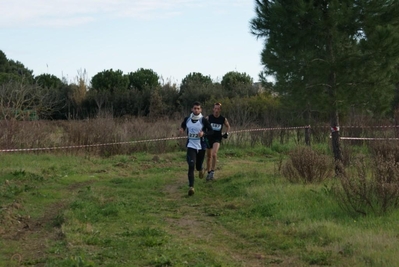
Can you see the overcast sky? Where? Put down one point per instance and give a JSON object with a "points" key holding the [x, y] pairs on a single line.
{"points": [[171, 37]]}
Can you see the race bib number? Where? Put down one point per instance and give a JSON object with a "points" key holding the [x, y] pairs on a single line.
{"points": [[193, 136], [216, 126]]}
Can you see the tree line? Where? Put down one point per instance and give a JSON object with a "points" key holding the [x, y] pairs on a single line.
{"points": [[138, 93]]}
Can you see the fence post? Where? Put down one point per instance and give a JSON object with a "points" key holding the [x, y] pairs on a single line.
{"points": [[307, 135]]}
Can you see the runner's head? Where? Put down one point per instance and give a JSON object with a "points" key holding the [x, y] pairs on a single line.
{"points": [[216, 109], [196, 109]]}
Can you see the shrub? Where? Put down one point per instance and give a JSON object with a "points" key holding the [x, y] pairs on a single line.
{"points": [[373, 185], [306, 165], [385, 149], [347, 155]]}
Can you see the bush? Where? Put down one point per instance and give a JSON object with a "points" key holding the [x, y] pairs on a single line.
{"points": [[307, 166], [373, 185], [385, 150]]}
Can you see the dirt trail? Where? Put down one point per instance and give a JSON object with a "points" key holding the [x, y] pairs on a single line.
{"points": [[33, 236], [195, 225]]}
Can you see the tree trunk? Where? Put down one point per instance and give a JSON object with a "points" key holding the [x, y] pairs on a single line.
{"points": [[335, 141], [396, 110], [334, 124], [334, 118], [307, 129], [307, 136]]}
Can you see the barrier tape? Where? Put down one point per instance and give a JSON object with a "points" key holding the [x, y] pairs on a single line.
{"points": [[95, 145], [140, 141], [368, 138], [270, 129], [184, 137], [359, 126]]}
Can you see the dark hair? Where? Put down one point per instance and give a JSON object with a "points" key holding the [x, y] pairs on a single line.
{"points": [[217, 104], [196, 103]]}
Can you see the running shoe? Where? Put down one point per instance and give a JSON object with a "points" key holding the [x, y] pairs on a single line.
{"points": [[201, 173], [191, 191], [211, 176]]}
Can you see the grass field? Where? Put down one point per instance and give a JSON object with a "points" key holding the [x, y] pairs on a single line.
{"points": [[133, 210]]}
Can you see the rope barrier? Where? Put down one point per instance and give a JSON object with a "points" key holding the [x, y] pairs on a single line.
{"points": [[139, 141], [368, 138], [183, 137], [270, 129], [358, 126], [94, 145], [383, 126]]}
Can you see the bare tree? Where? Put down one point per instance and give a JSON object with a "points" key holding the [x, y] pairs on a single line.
{"points": [[22, 101]]}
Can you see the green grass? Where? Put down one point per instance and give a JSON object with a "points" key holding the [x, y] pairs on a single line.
{"points": [[133, 210]]}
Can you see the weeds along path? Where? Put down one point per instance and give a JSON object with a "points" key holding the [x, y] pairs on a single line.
{"points": [[195, 223], [31, 238]]}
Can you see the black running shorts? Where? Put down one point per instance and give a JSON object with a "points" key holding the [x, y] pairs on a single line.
{"points": [[211, 140]]}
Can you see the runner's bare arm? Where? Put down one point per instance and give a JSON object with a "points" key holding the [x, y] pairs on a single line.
{"points": [[227, 125]]}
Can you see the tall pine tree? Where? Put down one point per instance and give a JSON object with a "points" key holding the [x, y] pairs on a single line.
{"points": [[331, 54]]}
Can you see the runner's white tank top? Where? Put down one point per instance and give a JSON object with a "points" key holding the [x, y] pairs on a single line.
{"points": [[193, 129]]}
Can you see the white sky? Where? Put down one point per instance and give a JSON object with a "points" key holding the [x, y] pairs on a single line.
{"points": [[171, 37]]}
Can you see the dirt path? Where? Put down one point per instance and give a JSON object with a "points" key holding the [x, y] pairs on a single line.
{"points": [[33, 237], [194, 225]]}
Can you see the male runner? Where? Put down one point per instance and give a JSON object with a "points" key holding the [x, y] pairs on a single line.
{"points": [[217, 122], [196, 127]]}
